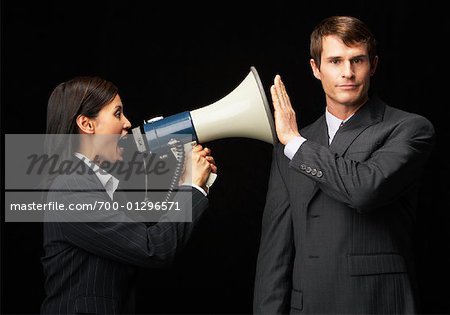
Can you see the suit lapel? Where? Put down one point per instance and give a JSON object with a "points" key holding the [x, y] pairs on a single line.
{"points": [[368, 115], [318, 132]]}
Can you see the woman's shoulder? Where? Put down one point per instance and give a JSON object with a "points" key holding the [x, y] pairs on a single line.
{"points": [[76, 187], [76, 178]]}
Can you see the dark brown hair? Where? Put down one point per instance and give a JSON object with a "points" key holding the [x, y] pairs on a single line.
{"points": [[78, 96], [349, 29], [83, 95]]}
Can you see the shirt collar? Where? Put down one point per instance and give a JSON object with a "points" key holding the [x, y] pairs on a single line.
{"points": [[108, 181], [333, 124]]}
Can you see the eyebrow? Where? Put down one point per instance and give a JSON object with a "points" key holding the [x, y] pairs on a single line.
{"points": [[361, 56], [118, 106], [354, 57]]}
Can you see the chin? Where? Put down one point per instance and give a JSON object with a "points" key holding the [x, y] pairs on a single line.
{"points": [[112, 158], [349, 98], [119, 154], [115, 159]]}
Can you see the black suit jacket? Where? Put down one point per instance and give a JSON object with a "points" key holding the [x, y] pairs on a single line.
{"points": [[90, 267], [338, 222]]}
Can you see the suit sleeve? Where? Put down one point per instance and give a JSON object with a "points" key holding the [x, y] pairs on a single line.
{"points": [[272, 287], [385, 175], [133, 243]]}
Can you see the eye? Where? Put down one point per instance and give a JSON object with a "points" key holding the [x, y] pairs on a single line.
{"points": [[334, 61], [118, 113]]}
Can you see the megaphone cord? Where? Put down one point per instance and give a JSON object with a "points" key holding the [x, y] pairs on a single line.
{"points": [[180, 157], [145, 179]]}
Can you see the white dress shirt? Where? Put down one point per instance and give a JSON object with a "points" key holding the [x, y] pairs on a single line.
{"points": [[196, 186], [333, 124], [109, 182]]}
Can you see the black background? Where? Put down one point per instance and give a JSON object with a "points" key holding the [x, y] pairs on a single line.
{"points": [[171, 57]]}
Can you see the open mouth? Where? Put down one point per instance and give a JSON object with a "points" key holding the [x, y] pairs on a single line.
{"points": [[122, 143]]}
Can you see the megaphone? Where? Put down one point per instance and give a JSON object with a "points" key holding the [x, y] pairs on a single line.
{"points": [[244, 112]]}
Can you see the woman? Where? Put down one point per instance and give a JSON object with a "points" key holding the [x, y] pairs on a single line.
{"points": [[90, 267]]}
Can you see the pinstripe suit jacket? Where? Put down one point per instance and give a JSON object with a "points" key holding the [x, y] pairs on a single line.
{"points": [[338, 221], [90, 267]]}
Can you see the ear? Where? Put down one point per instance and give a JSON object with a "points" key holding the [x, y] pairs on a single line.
{"points": [[373, 66], [315, 69], [85, 124]]}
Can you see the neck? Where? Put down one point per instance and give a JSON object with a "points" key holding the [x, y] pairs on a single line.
{"points": [[343, 111], [86, 150]]}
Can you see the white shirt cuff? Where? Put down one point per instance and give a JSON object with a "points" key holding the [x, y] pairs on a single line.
{"points": [[292, 146], [198, 187]]}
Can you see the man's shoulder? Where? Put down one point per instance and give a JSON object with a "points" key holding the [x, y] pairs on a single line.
{"points": [[401, 116]]}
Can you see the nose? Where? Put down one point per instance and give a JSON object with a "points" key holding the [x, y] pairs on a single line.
{"points": [[347, 71], [126, 123]]}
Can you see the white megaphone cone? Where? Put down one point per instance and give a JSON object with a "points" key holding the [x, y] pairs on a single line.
{"points": [[244, 112]]}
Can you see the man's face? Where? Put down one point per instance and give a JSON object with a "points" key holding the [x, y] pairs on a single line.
{"points": [[344, 72]]}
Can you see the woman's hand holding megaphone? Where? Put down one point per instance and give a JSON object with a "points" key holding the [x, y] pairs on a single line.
{"points": [[198, 166]]}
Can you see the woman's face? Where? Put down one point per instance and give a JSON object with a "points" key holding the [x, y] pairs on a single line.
{"points": [[109, 127]]}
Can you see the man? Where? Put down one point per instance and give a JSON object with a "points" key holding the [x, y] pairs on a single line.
{"points": [[338, 221]]}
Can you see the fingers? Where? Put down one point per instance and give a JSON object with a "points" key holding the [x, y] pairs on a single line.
{"points": [[207, 151], [284, 114], [201, 151], [281, 100], [197, 148], [211, 161], [206, 154], [212, 164], [275, 99], [280, 89]]}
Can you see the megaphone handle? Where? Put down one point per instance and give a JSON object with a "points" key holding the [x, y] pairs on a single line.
{"points": [[212, 176], [211, 179]]}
